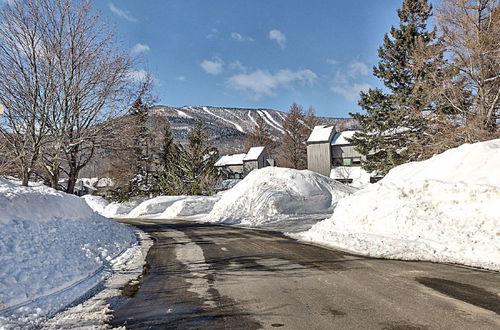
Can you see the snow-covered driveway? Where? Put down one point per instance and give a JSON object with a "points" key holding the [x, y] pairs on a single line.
{"points": [[217, 277]]}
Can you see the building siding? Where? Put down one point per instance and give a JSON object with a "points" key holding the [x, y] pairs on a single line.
{"points": [[319, 158]]}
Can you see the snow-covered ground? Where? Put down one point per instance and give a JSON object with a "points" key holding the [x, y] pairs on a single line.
{"points": [[95, 312], [97, 203], [444, 209], [53, 249], [119, 210], [279, 197]]}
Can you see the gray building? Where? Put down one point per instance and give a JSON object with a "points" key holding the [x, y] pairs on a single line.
{"points": [[319, 151], [330, 153]]}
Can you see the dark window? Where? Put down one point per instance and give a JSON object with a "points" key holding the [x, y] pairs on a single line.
{"points": [[344, 181], [374, 179]]}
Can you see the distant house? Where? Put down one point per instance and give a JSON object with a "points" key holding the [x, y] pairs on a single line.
{"points": [[330, 153], [231, 166], [239, 165]]}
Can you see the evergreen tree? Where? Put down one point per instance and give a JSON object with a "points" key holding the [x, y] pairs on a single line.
{"points": [[141, 182], [169, 179], [293, 149], [396, 121], [196, 163]]}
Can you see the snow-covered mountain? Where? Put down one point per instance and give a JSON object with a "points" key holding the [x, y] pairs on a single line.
{"points": [[227, 127]]}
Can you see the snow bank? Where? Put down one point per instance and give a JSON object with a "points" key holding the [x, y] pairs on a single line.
{"points": [[190, 206], [444, 209], [121, 210], [154, 206], [275, 194], [96, 203], [53, 249], [161, 207]]}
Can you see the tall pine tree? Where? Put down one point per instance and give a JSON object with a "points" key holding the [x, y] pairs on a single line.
{"points": [[196, 163], [395, 121], [169, 182]]}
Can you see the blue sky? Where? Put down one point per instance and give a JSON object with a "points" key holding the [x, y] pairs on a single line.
{"points": [[256, 54]]}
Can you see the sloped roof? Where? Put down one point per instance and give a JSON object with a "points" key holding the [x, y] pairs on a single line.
{"points": [[254, 153], [340, 138], [236, 159], [321, 133]]}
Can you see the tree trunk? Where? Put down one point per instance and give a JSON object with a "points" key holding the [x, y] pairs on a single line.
{"points": [[73, 171], [25, 177]]}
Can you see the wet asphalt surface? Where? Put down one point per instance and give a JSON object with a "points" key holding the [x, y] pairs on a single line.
{"points": [[201, 276]]}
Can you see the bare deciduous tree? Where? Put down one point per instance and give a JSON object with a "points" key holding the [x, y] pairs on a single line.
{"points": [[471, 31], [261, 135], [27, 85], [63, 79], [293, 149]]}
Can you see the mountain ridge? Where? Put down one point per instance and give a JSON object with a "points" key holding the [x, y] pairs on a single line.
{"points": [[227, 127]]}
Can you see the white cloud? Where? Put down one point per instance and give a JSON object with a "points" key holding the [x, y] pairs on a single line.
{"points": [[122, 13], [239, 37], [140, 75], [139, 48], [236, 65], [279, 37], [350, 80], [262, 83], [351, 91], [213, 33], [137, 75], [357, 68], [212, 67], [332, 61], [180, 78]]}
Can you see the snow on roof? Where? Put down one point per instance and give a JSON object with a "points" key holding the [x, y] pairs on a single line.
{"points": [[340, 138], [254, 153], [226, 160], [321, 133]]}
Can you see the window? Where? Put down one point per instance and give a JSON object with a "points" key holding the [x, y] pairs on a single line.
{"points": [[347, 161], [344, 181]]}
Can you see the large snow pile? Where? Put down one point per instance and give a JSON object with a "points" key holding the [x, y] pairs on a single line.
{"points": [[274, 194], [53, 249], [444, 209]]}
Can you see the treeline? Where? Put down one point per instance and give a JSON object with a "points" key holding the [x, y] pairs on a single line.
{"points": [[441, 85], [150, 163]]}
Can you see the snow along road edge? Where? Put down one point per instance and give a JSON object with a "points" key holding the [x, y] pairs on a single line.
{"points": [[96, 312]]}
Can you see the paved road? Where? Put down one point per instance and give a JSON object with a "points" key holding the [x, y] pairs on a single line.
{"points": [[215, 277]]}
